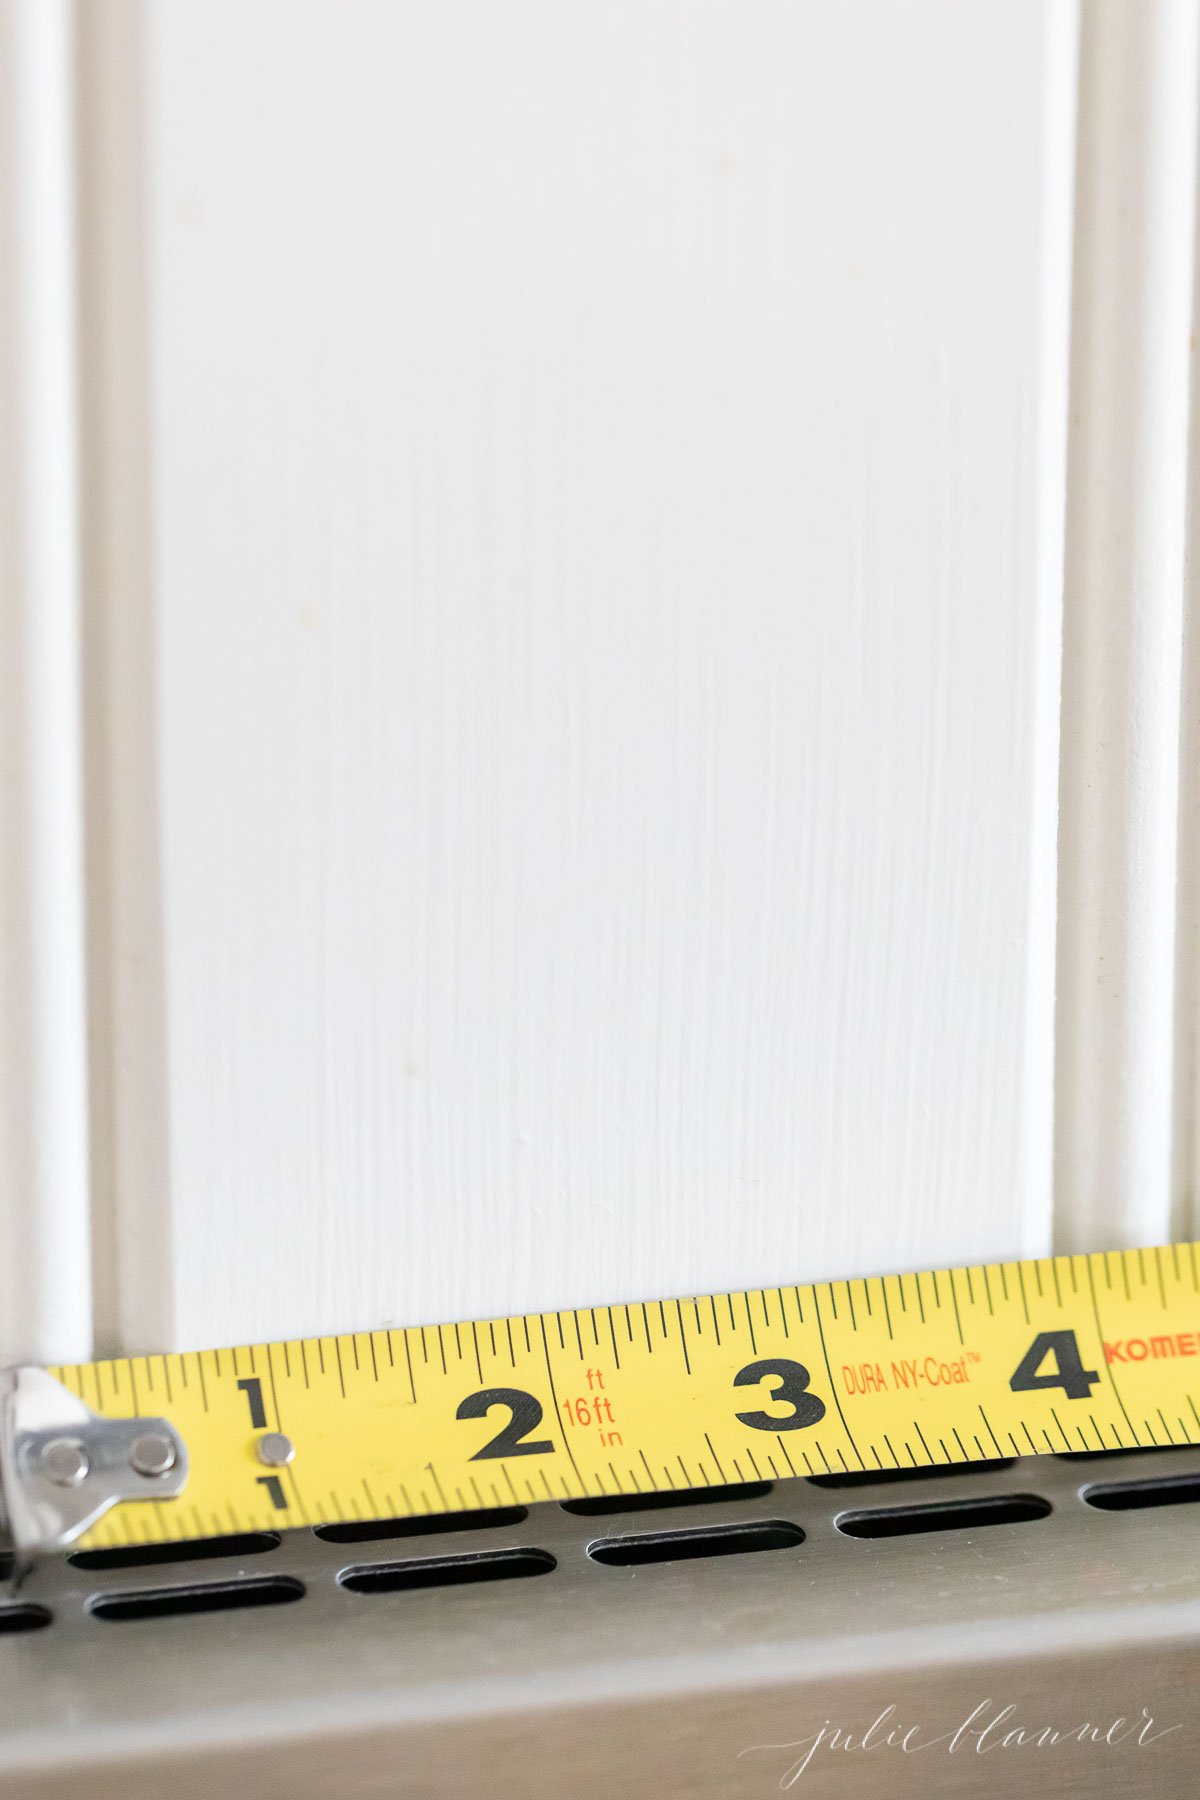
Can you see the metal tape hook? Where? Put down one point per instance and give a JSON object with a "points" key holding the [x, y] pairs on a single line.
{"points": [[62, 1465]]}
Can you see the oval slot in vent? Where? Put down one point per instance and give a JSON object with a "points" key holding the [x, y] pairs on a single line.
{"points": [[142, 1556], [879, 1477], [370, 1531], [944, 1515], [217, 1596], [706, 1496], [446, 1571], [1131, 1450], [24, 1617], [684, 1546], [1163, 1490]]}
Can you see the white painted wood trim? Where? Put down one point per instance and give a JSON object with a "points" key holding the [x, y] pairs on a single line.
{"points": [[1123, 622], [45, 1277], [131, 1208]]}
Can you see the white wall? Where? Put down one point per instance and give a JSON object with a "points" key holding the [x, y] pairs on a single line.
{"points": [[572, 595], [604, 571]]}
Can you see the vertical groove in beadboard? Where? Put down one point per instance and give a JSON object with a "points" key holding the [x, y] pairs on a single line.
{"points": [[44, 1269], [1123, 622], [1185, 1221], [129, 1164], [1061, 78]]}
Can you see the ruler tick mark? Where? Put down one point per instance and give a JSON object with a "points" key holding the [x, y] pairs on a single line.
{"points": [[687, 1361], [1062, 1433], [612, 1332], [1024, 1295], [563, 1430], [832, 1384]]}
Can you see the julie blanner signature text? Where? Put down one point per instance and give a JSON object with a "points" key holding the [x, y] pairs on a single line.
{"points": [[990, 1728]]}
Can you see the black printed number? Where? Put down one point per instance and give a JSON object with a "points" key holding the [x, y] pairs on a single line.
{"points": [[791, 1387], [252, 1388], [1068, 1373], [526, 1417]]}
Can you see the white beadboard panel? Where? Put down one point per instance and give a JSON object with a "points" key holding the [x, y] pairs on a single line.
{"points": [[45, 1276], [596, 691], [1124, 627]]}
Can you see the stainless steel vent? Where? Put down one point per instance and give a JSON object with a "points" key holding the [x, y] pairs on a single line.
{"points": [[1031, 1627]]}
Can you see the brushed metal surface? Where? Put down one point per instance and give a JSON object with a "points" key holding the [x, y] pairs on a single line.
{"points": [[707, 1676]]}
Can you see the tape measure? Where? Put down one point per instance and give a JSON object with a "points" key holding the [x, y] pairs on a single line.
{"points": [[958, 1365]]}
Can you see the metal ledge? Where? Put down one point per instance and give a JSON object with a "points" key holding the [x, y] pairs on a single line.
{"points": [[661, 1678]]}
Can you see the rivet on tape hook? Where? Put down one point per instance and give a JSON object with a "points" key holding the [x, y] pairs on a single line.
{"points": [[62, 1465]]}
